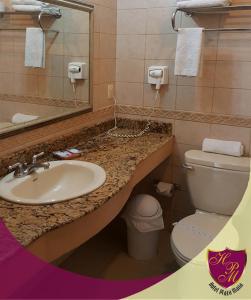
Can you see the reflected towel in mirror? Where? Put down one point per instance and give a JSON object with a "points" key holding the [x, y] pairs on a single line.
{"points": [[35, 48]]}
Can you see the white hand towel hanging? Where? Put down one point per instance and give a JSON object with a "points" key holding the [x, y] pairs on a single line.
{"points": [[35, 48], [189, 51]]}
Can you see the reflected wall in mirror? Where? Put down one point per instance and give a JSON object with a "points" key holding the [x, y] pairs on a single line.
{"points": [[34, 95]]}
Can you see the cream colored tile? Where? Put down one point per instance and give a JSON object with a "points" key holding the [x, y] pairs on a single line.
{"points": [[76, 44], [54, 43], [191, 133], [107, 20], [236, 19], [19, 68], [159, 20], [161, 3], [130, 70], [7, 41], [6, 83], [161, 46], [6, 62], [129, 93], [25, 85], [233, 74], [50, 87], [75, 21], [232, 101], [167, 97], [234, 46], [131, 46], [107, 46], [132, 4], [100, 99], [82, 90], [131, 21], [54, 66], [107, 70], [198, 99]]}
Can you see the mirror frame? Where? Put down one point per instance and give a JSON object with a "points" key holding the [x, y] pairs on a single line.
{"points": [[79, 5]]}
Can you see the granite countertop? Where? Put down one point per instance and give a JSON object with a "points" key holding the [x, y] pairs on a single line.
{"points": [[118, 156]]}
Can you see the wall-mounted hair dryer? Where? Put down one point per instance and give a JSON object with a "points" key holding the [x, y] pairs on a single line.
{"points": [[158, 75]]}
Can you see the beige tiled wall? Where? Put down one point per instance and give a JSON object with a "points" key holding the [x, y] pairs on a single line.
{"points": [[71, 44], [145, 38], [105, 24]]}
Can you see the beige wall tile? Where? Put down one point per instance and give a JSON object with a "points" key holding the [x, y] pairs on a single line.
{"points": [[191, 98], [131, 46], [158, 20], [167, 97], [161, 46], [191, 133], [233, 74], [234, 46], [131, 21], [76, 44], [75, 21], [50, 87], [232, 101], [82, 90], [129, 70], [129, 93], [25, 85]]}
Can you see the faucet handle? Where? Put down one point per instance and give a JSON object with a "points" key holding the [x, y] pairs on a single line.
{"points": [[15, 167], [36, 156], [19, 169]]}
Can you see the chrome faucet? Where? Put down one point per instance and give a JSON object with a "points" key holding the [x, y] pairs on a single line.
{"points": [[24, 169]]}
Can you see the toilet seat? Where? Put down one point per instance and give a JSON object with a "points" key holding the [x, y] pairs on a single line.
{"points": [[193, 233]]}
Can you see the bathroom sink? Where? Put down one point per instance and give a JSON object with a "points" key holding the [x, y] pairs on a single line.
{"points": [[64, 180]]}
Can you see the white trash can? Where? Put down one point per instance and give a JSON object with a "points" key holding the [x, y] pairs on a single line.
{"points": [[143, 216]]}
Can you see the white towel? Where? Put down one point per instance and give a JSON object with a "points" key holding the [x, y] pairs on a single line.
{"points": [[26, 2], [22, 118], [29, 8], [189, 51], [223, 147], [202, 3], [35, 48]]}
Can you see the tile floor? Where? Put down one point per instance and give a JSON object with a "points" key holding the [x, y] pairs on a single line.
{"points": [[105, 256]]}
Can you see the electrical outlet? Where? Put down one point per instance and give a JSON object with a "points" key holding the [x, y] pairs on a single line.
{"points": [[110, 91]]}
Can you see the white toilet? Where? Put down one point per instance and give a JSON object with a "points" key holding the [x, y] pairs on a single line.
{"points": [[216, 185]]}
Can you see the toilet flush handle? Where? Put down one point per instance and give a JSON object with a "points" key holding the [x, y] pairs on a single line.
{"points": [[186, 166]]}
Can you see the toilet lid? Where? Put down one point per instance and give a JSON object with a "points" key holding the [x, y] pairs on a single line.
{"points": [[193, 233]]}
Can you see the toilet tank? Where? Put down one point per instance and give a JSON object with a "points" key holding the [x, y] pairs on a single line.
{"points": [[216, 182]]}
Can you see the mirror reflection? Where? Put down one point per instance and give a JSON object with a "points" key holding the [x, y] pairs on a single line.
{"points": [[44, 63]]}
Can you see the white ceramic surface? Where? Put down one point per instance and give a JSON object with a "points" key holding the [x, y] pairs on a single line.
{"points": [[64, 180]]}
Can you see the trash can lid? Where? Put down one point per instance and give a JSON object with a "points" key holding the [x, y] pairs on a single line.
{"points": [[143, 206]]}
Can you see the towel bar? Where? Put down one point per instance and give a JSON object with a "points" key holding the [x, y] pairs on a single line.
{"points": [[212, 10], [39, 18]]}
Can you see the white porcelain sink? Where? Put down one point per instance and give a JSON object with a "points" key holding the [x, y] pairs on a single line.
{"points": [[64, 180]]}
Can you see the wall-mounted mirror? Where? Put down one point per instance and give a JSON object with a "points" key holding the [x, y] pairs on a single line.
{"points": [[35, 87]]}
